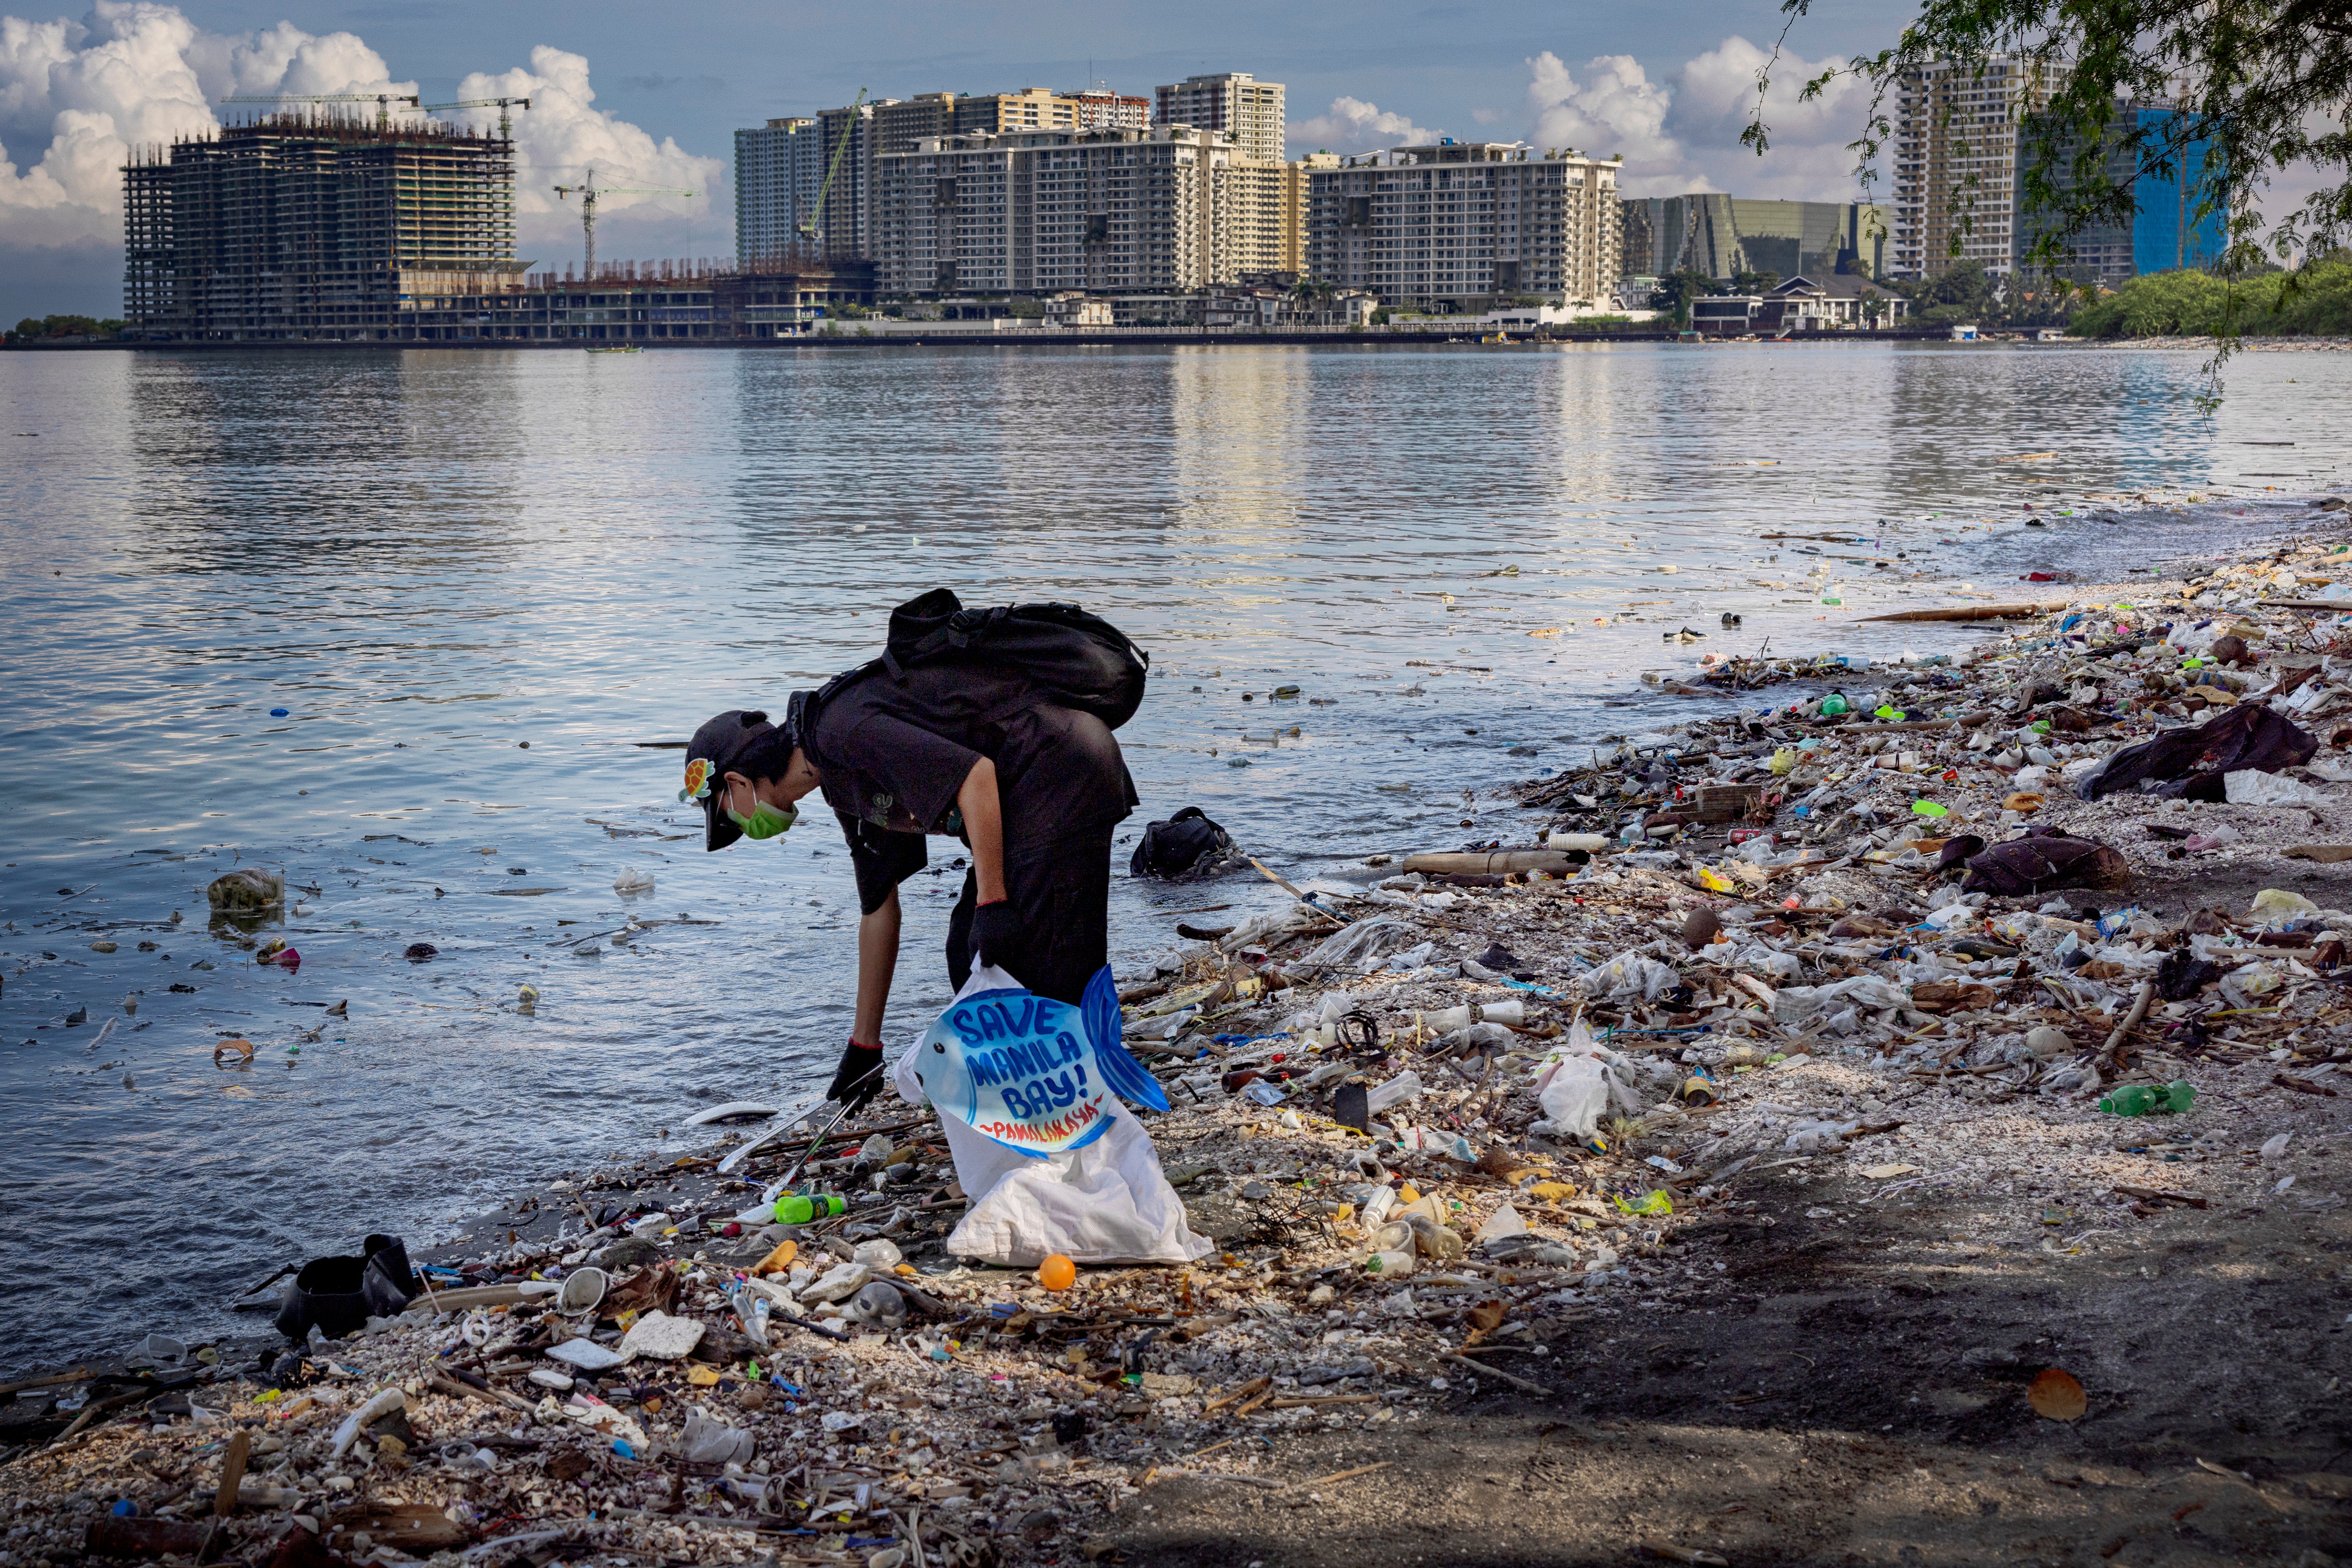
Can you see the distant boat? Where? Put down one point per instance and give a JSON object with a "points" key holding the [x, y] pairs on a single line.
{"points": [[617, 349]]}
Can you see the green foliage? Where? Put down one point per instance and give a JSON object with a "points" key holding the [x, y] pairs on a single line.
{"points": [[1962, 293], [1755, 282], [66, 327], [1026, 310], [2317, 302], [1676, 291], [1380, 316], [2261, 84]]}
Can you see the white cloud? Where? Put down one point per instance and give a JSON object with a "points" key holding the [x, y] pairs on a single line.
{"points": [[562, 136], [1808, 158], [1616, 108], [1355, 126], [1682, 135], [77, 98]]}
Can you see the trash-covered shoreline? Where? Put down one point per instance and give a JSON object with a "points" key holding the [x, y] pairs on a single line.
{"points": [[1875, 933]]}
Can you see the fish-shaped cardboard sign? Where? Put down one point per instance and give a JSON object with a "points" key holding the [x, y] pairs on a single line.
{"points": [[1028, 1072]]}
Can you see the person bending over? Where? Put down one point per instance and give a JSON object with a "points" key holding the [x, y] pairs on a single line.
{"points": [[1033, 790]]}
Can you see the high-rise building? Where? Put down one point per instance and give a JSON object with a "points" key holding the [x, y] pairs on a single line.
{"points": [[1446, 224], [1263, 225], [1099, 109], [1033, 212], [1235, 102], [308, 227], [900, 122], [1723, 237], [2178, 219], [1955, 164], [1030, 109], [779, 170], [847, 137]]}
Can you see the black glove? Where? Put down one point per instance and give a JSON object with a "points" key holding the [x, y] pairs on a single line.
{"points": [[997, 932], [859, 1078]]}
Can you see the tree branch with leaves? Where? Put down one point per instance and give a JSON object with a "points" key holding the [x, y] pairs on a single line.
{"points": [[2255, 88]]}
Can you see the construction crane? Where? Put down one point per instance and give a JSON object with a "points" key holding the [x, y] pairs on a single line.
{"points": [[506, 120], [382, 101], [834, 168], [591, 190]]}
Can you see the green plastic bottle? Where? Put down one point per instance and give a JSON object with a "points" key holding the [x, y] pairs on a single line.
{"points": [[2140, 1099], [1832, 705], [799, 1208]]}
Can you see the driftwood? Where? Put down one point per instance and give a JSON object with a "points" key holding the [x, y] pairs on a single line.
{"points": [[1498, 863], [1973, 612]]}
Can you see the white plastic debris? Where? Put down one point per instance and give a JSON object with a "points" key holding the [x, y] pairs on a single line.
{"points": [[383, 1403], [2251, 786], [657, 1336], [1403, 1086], [707, 1440], [838, 1283], [586, 1354]]}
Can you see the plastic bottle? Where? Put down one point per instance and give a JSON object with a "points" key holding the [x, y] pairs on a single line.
{"points": [[2141, 1099], [1832, 705], [799, 1208], [1390, 1265]]}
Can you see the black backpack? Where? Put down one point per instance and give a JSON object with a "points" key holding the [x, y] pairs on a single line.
{"points": [[1079, 660], [1185, 842]]}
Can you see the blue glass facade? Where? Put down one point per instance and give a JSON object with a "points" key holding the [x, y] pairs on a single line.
{"points": [[2167, 232], [2170, 233]]}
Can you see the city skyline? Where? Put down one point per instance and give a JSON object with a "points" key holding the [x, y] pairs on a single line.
{"points": [[76, 93]]}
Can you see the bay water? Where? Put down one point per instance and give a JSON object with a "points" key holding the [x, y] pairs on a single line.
{"points": [[397, 624]]}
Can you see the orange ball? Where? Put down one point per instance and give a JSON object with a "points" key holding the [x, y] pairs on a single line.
{"points": [[1057, 1273]]}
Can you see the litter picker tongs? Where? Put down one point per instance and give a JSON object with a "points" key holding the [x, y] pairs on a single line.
{"points": [[736, 1157]]}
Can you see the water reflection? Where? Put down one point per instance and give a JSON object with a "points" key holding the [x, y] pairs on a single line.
{"points": [[430, 558]]}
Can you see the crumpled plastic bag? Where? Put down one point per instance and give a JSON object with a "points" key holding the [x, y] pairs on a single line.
{"points": [[1476, 1035], [2250, 786], [1795, 1004], [1815, 1137], [707, 1440], [1365, 939], [2044, 860], [1574, 1096], [1577, 1083], [1628, 975], [2248, 736], [1410, 958], [1757, 959]]}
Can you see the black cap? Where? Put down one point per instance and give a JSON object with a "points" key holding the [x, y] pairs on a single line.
{"points": [[739, 740]]}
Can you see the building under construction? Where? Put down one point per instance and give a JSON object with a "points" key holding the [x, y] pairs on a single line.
{"points": [[310, 227]]}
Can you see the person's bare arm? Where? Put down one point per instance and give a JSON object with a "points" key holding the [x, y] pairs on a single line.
{"points": [[877, 961], [983, 825]]}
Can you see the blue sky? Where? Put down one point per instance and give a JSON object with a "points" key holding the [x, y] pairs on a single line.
{"points": [[652, 95]]}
